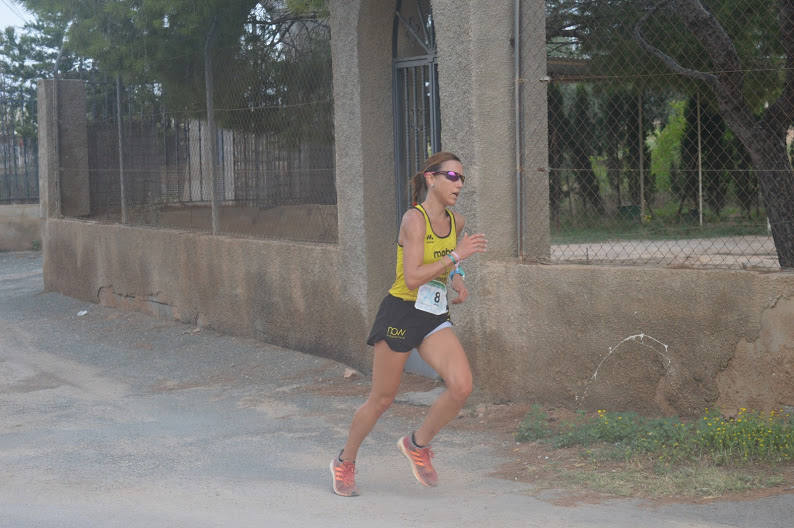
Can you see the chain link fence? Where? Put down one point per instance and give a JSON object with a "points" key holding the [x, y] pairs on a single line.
{"points": [[19, 171], [256, 158], [648, 164], [669, 135]]}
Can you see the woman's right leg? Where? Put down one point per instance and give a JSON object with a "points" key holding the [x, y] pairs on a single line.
{"points": [[387, 369]]}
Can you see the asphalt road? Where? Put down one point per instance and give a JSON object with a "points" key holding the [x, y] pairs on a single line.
{"points": [[115, 419]]}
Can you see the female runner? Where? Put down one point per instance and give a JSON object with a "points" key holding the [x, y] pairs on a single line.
{"points": [[414, 314]]}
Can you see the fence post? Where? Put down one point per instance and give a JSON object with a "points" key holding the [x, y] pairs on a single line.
{"points": [[700, 166], [63, 149], [55, 190], [641, 146], [14, 161], [212, 133], [28, 194], [11, 191], [123, 196]]}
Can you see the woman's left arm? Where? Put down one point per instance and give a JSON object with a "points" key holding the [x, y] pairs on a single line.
{"points": [[457, 281], [460, 287]]}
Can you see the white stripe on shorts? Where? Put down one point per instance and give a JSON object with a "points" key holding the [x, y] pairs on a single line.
{"points": [[445, 324]]}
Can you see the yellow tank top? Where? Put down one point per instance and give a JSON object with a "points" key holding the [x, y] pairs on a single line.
{"points": [[436, 248]]}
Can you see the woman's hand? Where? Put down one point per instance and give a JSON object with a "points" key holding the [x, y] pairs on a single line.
{"points": [[471, 244], [460, 288]]}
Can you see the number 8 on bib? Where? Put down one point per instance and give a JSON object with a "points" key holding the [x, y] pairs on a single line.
{"points": [[432, 298]]}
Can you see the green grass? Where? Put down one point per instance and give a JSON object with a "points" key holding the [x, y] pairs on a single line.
{"points": [[613, 230], [749, 437], [631, 455], [662, 224], [534, 426]]}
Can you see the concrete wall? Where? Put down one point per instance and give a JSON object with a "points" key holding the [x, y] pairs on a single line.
{"points": [[20, 227], [285, 293], [728, 337]]}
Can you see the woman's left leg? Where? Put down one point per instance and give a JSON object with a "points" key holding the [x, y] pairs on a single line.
{"points": [[443, 351]]}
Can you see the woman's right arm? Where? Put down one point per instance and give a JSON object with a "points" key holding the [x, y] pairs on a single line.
{"points": [[412, 235]]}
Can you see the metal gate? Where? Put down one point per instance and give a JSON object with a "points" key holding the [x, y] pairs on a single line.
{"points": [[417, 116]]}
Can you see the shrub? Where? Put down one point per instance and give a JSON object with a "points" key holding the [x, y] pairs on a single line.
{"points": [[534, 426]]}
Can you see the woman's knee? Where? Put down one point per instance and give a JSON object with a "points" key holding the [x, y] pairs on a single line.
{"points": [[460, 387], [381, 402]]}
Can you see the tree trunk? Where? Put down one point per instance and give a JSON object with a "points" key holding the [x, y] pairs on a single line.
{"points": [[776, 179], [765, 141]]}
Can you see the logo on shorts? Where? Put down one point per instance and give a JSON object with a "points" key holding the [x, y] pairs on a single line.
{"points": [[395, 333]]}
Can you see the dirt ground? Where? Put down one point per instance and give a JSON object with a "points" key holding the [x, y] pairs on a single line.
{"points": [[732, 252], [535, 463]]}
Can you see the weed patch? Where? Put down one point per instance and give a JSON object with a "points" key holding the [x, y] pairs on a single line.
{"points": [[627, 454]]}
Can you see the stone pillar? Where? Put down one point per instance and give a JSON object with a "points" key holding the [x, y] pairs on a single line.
{"points": [[534, 100], [64, 188], [476, 81], [361, 36]]}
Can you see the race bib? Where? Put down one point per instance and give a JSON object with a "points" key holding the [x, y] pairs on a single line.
{"points": [[432, 298]]}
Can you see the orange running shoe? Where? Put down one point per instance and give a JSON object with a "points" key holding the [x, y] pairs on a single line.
{"points": [[343, 477], [420, 461]]}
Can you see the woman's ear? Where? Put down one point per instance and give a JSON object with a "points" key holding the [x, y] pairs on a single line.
{"points": [[429, 179]]}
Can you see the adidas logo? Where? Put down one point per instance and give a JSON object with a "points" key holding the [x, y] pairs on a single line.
{"points": [[429, 237]]}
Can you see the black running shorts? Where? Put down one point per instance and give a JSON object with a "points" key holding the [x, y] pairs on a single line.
{"points": [[402, 325]]}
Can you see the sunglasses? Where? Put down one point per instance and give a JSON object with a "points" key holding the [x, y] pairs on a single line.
{"points": [[451, 175]]}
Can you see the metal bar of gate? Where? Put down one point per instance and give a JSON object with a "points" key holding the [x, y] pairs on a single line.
{"points": [[423, 25], [406, 169], [411, 143], [423, 112], [415, 138], [397, 112], [413, 33], [434, 133]]}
